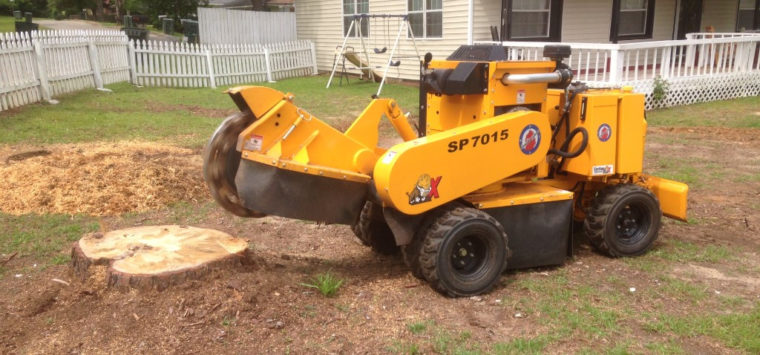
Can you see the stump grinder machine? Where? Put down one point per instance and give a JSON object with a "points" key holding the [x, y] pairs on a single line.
{"points": [[509, 157]]}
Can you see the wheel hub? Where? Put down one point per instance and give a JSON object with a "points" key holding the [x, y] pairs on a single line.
{"points": [[630, 224], [467, 255]]}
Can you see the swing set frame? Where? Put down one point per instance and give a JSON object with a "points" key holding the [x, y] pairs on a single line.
{"points": [[356, 23]]}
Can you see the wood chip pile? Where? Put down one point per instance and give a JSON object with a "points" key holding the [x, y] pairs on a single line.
{"points": [[98, 179]]}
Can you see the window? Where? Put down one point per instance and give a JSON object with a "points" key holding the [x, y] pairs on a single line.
{"points": [[632, 19], [426, 18], [748, 16], [532, 20], [351, 8]]}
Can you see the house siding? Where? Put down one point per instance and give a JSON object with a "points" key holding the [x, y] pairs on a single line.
{"points": [[720, 14], [589, 21], [321, 22], [583, 21]]}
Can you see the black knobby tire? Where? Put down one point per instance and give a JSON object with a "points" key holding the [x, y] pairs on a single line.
{"points": [[463, 252], [373, 231], [624, 220], [411, 251]]}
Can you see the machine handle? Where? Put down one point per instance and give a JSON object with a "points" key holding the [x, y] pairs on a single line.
{"points": [[557, 76]]}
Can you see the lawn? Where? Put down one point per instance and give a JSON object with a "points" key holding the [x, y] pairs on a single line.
{"points": [[183, 116], [7, 24], [695, 292]]}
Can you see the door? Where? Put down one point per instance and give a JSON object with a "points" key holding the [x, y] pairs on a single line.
{"points": [[689, 17]]}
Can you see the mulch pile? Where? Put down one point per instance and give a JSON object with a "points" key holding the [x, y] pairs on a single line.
{"points": [[98, 179]]}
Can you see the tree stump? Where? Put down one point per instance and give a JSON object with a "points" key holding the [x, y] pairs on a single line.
{"points": [[156, 257]]}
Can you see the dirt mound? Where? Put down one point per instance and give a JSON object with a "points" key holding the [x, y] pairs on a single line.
{"points": [[98, 179]]}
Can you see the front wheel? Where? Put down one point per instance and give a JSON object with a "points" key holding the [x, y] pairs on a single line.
{"points": [[463, 252], [624, 220]]}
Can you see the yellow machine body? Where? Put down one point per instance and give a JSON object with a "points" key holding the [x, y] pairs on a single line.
{"points": [[507, 155], [490, 149]]}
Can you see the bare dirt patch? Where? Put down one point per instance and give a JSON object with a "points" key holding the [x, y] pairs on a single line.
{"points": [[264, 307], [99, 179]]}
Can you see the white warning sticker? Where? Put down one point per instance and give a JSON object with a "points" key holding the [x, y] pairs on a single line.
{"points": [[254, 143], [388, 157], [521, 96], [602, 170]]}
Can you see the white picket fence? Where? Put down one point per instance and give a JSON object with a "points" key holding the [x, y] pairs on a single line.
{"points": [[192, 65], [43, 65], [225, 26], [703, 67]]}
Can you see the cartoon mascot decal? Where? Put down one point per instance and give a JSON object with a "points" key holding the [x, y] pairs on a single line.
{"points": [[425, 190]]}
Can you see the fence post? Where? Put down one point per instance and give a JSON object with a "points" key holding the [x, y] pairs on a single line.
{"points": [[267, 63], [95, 64], [614, 65], [42, 69], [210, 65], [132, 64], [314, 57]]}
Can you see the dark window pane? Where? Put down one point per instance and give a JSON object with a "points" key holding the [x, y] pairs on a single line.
{"points": [[434, 24], [348, 6], [414, 5], [362, 6], [745, 20], [632, 23], [434, 4], [529, 24], [365, 28], [347, 23], [530, 4], [633, 4], [415, 20]]}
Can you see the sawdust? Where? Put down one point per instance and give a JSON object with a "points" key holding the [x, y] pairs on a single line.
{"points": [[99, 178]]}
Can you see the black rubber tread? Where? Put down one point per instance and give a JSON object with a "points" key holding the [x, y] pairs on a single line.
{"points": [[411, 251], [601, 233], [373, 231], [434, 238]]}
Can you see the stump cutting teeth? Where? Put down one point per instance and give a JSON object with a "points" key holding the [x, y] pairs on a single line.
{"points": [[221, 161]]}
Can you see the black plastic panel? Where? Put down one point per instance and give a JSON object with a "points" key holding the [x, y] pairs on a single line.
{"points": [[286, 193], [479, 53], [539, 234]]}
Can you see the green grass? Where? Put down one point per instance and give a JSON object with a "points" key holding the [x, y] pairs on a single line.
{"points": [[739, 330], [7, 24], [43, 237], [417, 327], [683, 252], [522, 346], [738, 113], [180, 116], [326, 283]]}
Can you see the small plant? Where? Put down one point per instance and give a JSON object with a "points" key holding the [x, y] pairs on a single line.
{"points": [[661, 88], [417, 327], [327, 283]]}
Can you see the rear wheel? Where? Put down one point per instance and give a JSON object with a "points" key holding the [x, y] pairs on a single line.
{"points": [[373, 231], [624, 220], [463, 252]]}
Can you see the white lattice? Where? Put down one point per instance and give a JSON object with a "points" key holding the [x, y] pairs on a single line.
{"points": [[690, 90], [705, 67]]}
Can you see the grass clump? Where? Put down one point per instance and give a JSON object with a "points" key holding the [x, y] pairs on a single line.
{"points": [[417, 327], [327, 283]]}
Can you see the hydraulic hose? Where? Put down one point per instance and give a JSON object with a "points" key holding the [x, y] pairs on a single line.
{"points": [[566, 144]]}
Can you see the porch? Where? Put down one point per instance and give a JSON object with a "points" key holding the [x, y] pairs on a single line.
{"points": [[702, 67]]}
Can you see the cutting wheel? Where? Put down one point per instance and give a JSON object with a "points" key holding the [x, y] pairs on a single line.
{"points": [[221, 161]]}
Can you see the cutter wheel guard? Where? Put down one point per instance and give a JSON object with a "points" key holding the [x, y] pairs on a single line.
{"points": [[507, 156]]}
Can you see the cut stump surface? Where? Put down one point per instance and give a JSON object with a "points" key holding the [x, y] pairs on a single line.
{"points": [[157, 256]]}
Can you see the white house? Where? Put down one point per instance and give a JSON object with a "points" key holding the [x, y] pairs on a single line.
{"points": [[604, 33]]}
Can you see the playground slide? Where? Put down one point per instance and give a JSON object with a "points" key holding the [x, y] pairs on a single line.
{"points": [[354, 58]]}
